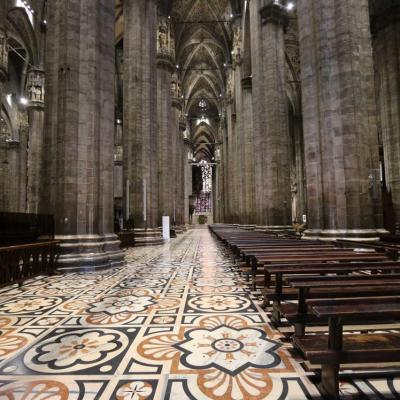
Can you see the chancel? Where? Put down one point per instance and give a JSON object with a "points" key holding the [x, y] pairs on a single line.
{"points": [[199, 199]]}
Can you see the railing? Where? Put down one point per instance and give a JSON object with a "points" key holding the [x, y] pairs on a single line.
{"points": [[18, 263]]}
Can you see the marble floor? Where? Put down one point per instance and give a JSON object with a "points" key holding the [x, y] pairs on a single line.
{"points": [[175, 323]]}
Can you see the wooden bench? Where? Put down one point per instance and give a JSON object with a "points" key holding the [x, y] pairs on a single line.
{"points": [[275, 291], [391, 250], [262, 260], [335, 349], [338, 287]]}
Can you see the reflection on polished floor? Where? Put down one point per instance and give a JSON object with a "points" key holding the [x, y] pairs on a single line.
{"points": [[176, 323]]}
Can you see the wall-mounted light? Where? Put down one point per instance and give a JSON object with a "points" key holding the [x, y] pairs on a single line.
{"points": [[23, 101]]}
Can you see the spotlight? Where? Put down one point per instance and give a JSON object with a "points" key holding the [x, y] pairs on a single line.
{"points": [[23, 101], [290, 6]]}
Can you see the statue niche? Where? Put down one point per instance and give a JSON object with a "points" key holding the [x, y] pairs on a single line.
{"points": [[164, 47], [35, 88], [237, 46]]}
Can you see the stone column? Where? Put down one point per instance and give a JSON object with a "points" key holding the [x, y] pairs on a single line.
{"points": [[238, 128], [230, 150], [79, 130], [182, 160], [167, 121], [3, 56], [140, 118], [339, 118], [172, 168], [273, 165], [10, 176], [187, 172], [248, 190], [386, 42], [21, 154], [224, 169], [35, 92]]}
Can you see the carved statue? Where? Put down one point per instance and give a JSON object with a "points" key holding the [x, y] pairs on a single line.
{"points": [[35, 87], [163, 37], [174, 85], [237, 45], [229, 85], [179, 89]]}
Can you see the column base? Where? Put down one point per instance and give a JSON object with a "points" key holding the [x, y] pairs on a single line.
{"points": [[178, 229], [367, 235], [89, 253], [148, 237]]}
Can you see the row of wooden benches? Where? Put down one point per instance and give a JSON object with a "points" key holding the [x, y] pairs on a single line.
{"points": [[312, 283]]}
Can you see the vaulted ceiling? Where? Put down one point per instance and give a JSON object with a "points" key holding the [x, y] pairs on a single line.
{"points": [[203, 35]]}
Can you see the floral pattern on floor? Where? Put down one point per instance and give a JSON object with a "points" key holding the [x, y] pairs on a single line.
{"points": [[175, 323]]}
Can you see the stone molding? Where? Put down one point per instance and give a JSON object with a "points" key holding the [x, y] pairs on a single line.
{"points": [[164, 60], [89, 252]]}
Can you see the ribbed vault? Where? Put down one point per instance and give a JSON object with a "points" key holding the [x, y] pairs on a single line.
{"points": [[203, 35]]}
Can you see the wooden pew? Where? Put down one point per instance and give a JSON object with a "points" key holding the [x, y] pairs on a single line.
{"points": [[335, 349], [391, 249], [345, 256], [282, 272], [335, 286]]}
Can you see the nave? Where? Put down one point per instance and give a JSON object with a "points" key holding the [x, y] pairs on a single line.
{"points": [[177, 322]]}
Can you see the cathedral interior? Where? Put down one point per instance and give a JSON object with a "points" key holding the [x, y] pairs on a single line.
{"points": [[199, 199]]}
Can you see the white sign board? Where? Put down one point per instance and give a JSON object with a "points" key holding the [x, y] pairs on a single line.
{"points": [[165, 228]]}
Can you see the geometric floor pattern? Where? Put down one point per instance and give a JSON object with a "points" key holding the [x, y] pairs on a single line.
{"points": [[175, 323]]}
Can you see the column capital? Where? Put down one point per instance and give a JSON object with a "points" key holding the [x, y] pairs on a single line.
{"points": [[274, 13]]}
